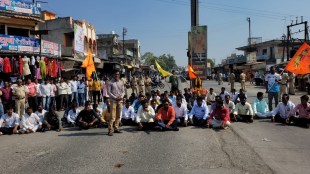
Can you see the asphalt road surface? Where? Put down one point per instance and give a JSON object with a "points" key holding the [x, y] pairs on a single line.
{"points": [[190, 150]]}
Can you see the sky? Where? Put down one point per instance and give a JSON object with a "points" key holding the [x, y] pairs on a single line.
{"points": [[161, 26]]}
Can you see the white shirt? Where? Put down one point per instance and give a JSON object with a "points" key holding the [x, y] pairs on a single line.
{"points": [[180, 111], [54, 90], [74, 85], [210, 97], [223, 95], [30, 121], [143, 116], [69, 91], [200, 112], [234, 96], [71, 117], [46, 89], [81, 88], [230, 105], [128, 113], [41, 114], [9, 122], [39, 93], [62, 88], [283, 110]]}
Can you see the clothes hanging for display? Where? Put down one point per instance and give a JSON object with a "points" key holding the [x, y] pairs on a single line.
{"points": [[38, 73], [26, 70], [54, 68], [1, 64], [33, 60], [42, 69], [7, 65], [20, 62]]}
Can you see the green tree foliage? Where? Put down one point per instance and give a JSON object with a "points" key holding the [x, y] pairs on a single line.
{"points": [[166, 61]]}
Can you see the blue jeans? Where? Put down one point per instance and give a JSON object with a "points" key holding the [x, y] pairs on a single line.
{"points": [[82, 98], [52, 102], [272, 95], [1, 109], [75, 97], [164, 123], [46, 102], [178, 121]]}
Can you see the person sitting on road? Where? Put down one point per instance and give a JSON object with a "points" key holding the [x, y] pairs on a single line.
{"points": [[260, 107], [243, 111], [211, 97], [223, 93], [220, 116], [106, 114], [11, 122], [137, 103], [199, 113], [30, 122], [187, 95], [40, 113], [155, 97], [212, 107], [154, 104], [87, 118], [172, 97], [230, 105], [128, 114], [96, 109], [303, 110], [180, 109], [165, 117], [132, 98], [241, 94], [52, 121], [72, 115], [234, 96], [145, 116], [282, 112]]}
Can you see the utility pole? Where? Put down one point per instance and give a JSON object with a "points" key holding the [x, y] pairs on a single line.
{"points": [[124, 33], [249, 40], [289, 36]]}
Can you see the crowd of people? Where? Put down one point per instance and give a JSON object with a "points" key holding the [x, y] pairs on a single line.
{"points": [[31, 106]]}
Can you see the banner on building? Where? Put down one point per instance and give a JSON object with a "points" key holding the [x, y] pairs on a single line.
{"points": [[20, 6], [18, 44], [51, 48], [78, 39]]}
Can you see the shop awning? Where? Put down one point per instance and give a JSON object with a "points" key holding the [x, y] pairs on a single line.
{"points": [[72, 58], [97, 60]]}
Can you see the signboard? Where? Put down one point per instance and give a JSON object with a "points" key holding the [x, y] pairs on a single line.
{"points": [[50, 48], [78, 39], [20, 6], [17, 44]]}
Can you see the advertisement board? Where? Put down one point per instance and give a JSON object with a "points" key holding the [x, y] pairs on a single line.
{"points": [[20, 6], [78, 39], [50, 48]]}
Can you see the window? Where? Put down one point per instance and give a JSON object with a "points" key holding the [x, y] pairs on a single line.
{"points": [[18, 32], [2, 29], [68, 39], [264, 52]]}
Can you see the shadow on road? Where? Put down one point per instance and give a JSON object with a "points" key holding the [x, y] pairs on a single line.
{"points": [[82, 134]]}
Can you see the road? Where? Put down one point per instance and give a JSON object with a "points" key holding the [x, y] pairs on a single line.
{"points": [[191, 150]]}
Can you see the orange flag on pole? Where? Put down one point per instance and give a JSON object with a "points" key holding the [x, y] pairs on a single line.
{"points": [[300, 62], [191, 72], [88, 63]]}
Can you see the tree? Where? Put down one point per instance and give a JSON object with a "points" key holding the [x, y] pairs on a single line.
{"points": [[167, 62], [210, 60]]}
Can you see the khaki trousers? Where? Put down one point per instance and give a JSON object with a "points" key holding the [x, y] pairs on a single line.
{"points": [[134, 90], [232, 85], [142, 89], [242, 84], [116, 109], [20, 107], [283, 90], [148, 89]]}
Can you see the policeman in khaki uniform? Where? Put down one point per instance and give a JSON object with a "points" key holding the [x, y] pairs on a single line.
{"points": [[232, 79], [148, 84], [20, 93], [134, 85], [283, 84], [291, 83], [141, 85], [242, 81], [220, 78]]}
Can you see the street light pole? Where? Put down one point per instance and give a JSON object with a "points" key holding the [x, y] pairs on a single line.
{"points": [[124, 33]]}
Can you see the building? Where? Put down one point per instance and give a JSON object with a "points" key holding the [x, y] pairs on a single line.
{"points": [[76, 37], [18, 40]]}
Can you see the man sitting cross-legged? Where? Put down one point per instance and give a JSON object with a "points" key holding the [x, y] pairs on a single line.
{"points": [[31, 122], [180, 109], [165, 117], [128, 114], [220, 117], [243, 111], [52, 121], [282, 112], [145, 116], [230, 105], [303, 110], [72, 115], [199, 113], [11, 122], [260, 107], [87, 118]]}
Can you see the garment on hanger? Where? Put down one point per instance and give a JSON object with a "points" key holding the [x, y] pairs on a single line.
{"points": [[20, 62], [26, 70], [33, 60], [1, 64], [38, 73], [54, 68], [7, 65], [42, 69]]}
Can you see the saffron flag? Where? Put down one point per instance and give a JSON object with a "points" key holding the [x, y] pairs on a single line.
{"points": [[88, 63], [300, 62], [191, 72], [162, 71]]}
